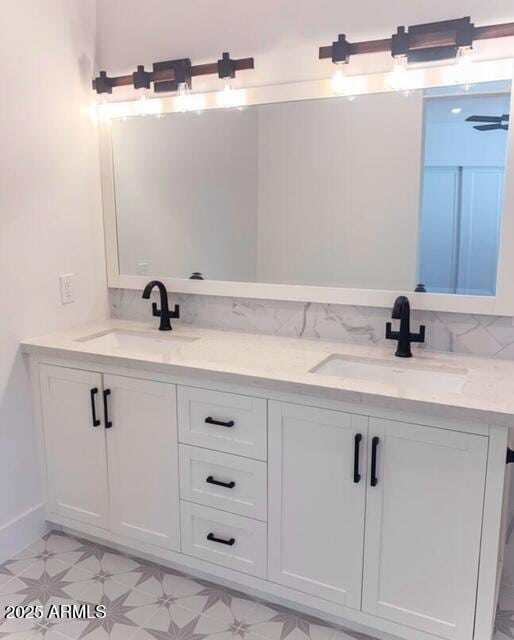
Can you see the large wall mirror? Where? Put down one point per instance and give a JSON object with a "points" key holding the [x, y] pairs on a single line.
{"points": [[385, 192]]}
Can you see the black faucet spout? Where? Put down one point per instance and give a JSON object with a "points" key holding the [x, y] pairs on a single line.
{"points": [[164, 312], [401, 312]]}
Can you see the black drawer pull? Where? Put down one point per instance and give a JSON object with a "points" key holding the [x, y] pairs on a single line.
{"points": [[108, 423], [219, 423], [356, 456], [227, 485], [213, 538], [374, 447], [93, 392]]}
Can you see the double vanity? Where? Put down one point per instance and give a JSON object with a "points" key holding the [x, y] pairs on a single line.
{"points": [[366, 489]]}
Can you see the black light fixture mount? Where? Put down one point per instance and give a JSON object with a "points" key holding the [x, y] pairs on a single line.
{"points": [[103, 84], [434, 41], [226, 66], [141, 79], [181, 69], [341, 50]]}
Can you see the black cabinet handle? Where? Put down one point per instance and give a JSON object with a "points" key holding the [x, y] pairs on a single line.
{"points": [[93, 392], [108, 423], [356, 456], [213, 538], [227, 485], [374, 448], [219, 423]]}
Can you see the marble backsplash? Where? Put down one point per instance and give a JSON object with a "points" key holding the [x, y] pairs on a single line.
{"points": [[489, 336]]}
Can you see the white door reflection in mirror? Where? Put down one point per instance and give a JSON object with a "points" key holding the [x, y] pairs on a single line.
{"points": [[463, 184]]}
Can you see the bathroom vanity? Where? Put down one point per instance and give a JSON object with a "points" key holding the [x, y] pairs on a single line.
{"points": [[330, 477]]}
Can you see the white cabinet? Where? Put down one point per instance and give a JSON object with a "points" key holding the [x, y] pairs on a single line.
{"points": [[316, 503], [384, 522], [142, 458], [423, 525], [112, 436], [407, 533], [75, 446]]}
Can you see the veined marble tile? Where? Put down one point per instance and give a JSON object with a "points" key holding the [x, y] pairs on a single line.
{"points": [[457, 332]]}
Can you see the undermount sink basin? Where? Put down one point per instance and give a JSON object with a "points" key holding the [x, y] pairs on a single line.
{"points": [[137, 342], [429, 378]]}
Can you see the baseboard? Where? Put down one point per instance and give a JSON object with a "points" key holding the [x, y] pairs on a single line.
{"points": [[19, 533]]}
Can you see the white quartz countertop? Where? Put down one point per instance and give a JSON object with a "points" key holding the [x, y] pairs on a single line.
{"points": [[284, 364]]}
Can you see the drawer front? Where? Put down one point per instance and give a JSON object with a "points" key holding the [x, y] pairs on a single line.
{"points": [[224, 538], [223, 481], [223, 421]]}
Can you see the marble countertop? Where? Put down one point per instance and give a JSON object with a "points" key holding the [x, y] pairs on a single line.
{"points": [[285, 364]]}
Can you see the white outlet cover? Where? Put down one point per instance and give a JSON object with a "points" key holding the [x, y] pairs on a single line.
{"points": [[66, 282]]}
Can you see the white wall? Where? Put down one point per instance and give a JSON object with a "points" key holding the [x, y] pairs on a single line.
{"points": [[50, 220]]}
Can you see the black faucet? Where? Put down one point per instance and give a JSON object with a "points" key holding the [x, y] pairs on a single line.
{"points": [[401, 312], [164, 312]]}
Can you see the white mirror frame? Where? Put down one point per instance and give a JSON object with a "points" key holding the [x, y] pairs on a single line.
{"points": [[501, 304]]}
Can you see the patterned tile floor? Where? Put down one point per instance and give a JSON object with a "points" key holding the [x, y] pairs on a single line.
{"points": [[145, 601]]}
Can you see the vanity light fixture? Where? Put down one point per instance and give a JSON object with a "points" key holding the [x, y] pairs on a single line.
{"points": [[399, 78], [340, 54], [176, 76], [187, 101], [431, 42], [463, 70], [229, 97], [142, 82]]}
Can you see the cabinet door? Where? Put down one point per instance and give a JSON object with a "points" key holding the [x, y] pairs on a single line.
{"points": [[316, 505], [75, 447], [423, 524], [143, 462]]}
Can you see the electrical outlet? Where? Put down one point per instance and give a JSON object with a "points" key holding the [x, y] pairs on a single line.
{"points": [[67, 295]]}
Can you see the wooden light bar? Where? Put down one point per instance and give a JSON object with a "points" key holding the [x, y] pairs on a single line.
{"points": [[427, 37]]}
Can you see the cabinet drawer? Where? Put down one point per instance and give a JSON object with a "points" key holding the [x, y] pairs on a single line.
{"points": [[223, 481], [224, 538], [223, 421]]}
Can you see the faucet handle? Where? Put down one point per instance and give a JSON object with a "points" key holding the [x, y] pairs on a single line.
{"points": [[156, 312], [390, 334], [176, 312], [418, 337]]}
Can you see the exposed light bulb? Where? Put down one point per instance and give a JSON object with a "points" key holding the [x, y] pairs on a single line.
{"points": [[187, 101], [463, 67], [339, 81], [399, 77], [230, 97]]}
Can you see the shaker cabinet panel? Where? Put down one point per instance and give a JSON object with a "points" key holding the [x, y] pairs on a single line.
{"points": [[316, 501], [221, 421], [423, 524], [74, 444], [143, 460]]}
